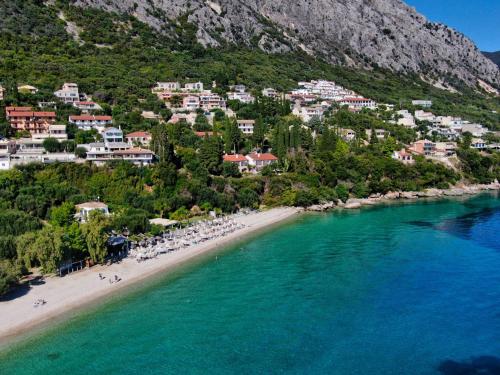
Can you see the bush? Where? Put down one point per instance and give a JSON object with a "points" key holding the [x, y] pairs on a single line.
{"points": [[342, 192]]}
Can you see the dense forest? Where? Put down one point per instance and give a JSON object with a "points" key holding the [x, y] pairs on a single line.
{"points": [[116, 59]]}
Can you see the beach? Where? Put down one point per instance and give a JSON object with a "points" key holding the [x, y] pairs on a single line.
{"points": [[65, 294]]}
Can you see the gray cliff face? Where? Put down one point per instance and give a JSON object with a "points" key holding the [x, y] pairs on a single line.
{"points": [[351, 32]]}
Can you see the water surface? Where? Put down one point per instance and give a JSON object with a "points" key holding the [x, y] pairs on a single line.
{"points": [[403, 289]]}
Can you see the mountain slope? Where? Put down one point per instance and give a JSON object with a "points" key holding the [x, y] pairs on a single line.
{"points": [[387, 33], [493, 56]]}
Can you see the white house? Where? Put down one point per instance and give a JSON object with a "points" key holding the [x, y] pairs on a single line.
{"points": [[69, 93], [478, 144], [270, 93], [196, 86], [191, 103], [57, 131], [246, 126], [357, 103], [112, 135], [163, 86], [83, 210], [422, 103], [89, 122], [405, 119], [307, 113], [403, 156], [87, 106]]}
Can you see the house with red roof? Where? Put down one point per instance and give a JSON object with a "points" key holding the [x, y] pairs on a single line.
{"points": [[259, 161], [238, 159], [403, 156], [357, 103], [24, 118], [87, 106], [138, 138]]}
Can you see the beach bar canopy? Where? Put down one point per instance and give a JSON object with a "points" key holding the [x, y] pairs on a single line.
{"points": [[163, 222]]}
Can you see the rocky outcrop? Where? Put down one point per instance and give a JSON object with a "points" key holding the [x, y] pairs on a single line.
{"points": [[387, 33], [374, 199]]}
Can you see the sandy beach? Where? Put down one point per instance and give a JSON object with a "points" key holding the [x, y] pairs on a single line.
{"points": [[78, 289]]}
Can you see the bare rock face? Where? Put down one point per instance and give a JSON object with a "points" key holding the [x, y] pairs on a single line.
{"points": [[388, 33]]}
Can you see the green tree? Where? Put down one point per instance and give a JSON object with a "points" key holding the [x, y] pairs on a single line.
{"points": [[211, 154], [160, 144], [96, 237], [51, 145], [201, 123], [232, 136], [63, 215], [9, 275]]}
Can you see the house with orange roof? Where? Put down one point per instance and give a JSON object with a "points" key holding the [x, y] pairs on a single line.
{"points": [[403, 156], [238, 159], [259, 161], [24, 118], [138, 138]]}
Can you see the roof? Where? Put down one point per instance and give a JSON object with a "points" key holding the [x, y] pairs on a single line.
{"points": [[85, 103], [234, 158], [90, 118], [111, 129], [138, 134], [263, 157], [246, 121], [32, 114], [355, 100], [202, 134], [135, 150], [92, 205], [19, 109]]}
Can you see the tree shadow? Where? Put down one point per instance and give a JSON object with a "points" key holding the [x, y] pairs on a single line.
{"points": [[483, 365], [22, 289]]}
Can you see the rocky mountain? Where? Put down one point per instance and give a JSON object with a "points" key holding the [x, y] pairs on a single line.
{"points": [[493, 56], [387, 33]]}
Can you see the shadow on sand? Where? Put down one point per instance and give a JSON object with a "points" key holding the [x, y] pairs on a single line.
{"points": [[483, 365], [22, 289]]}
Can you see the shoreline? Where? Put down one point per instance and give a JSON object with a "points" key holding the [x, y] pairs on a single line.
{"points": [[81, 289], [408, 196]]}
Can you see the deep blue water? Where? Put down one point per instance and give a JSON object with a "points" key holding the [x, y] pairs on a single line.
{"points": [[403, 289]]}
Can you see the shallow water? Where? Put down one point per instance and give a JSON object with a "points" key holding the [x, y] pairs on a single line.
{"points": [[402, 289]]}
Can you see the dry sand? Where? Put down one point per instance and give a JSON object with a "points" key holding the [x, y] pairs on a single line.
{"points": [[78, 289]]}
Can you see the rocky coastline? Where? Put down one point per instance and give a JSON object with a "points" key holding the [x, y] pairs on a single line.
{"points": [[374, 199]]}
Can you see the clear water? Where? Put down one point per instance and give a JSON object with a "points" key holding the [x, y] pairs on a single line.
{"points": [[406, 289]]}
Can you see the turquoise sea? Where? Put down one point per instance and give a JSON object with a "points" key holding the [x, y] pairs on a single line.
{"points": [[400, 289]]}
